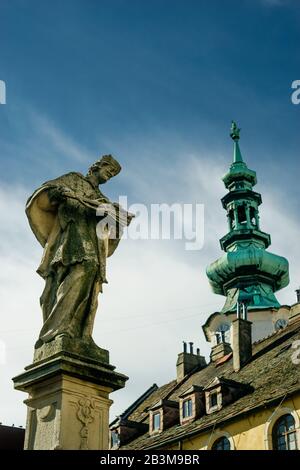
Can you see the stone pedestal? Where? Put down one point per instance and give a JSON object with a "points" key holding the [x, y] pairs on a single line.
{"points": [[68, 384]]}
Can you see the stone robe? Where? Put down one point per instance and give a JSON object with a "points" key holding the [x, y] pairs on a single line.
{"points": [[74, 258]]}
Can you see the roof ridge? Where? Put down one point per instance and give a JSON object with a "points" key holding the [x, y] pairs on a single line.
{"points": [[185, 378], [285, 331], [130, 409]]}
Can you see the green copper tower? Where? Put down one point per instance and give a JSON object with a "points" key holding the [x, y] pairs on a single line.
{"points": [[246, 273]]}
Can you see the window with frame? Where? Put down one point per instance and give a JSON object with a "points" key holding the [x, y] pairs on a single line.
{"points": [[284, 433], [253, 216], [187, 408], [114, 439], [221, 444], [231, 219], [213, 399], [156, 422], [223, 333], [242, 214], [280, 324]]}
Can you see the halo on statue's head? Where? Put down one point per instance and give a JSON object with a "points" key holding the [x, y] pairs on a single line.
{"points": [[107, 160]]}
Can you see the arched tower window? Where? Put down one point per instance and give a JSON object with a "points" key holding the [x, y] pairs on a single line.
{"points": [[223, 333], [231, 220], [221, 444], [253, 217], [284, 433], [242, 218]]}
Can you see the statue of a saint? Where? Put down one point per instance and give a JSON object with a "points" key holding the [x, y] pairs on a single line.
{"points": [[62, 215], [234, 131]]}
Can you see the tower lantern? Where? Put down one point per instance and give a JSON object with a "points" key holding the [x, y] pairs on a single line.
{"points": [[247, 273]]}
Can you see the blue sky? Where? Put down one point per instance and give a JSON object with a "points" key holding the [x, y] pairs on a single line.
{"points": [[156, 83], [110, 73]]}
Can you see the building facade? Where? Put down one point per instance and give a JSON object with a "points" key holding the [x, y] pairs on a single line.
{"points": [[247, 397]]}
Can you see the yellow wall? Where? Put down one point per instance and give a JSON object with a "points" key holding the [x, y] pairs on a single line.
{"points": [[251, 432]]}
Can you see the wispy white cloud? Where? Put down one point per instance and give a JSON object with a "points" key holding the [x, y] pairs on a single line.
{"points": [[39, 147], [59, 140], [157, 295]]}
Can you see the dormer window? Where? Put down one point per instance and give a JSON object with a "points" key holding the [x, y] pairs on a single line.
{"points": [[213, 399], [162, 415], [123, 430], [187, 408], [191, 404], [156, 421], [220, 392]]}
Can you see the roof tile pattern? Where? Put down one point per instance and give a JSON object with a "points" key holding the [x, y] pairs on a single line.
{"points": [[271, 375]]}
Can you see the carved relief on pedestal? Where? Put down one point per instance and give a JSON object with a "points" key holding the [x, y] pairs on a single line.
{"points": [[86, 415], [46, 413]]}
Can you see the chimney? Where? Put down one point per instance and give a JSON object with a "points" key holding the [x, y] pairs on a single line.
{"points": [[241, 338], [220, 350], [187, 361], [298, 294]]}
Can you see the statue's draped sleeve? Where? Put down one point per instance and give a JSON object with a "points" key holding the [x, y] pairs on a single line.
{"points": [[67, 229]]}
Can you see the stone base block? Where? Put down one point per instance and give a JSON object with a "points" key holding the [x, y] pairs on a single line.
{"points": [[68, 403]]}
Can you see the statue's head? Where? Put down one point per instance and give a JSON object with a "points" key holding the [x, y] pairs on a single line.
{"points": [[105, 168]]}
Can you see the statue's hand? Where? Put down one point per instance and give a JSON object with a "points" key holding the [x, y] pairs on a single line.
{"points": [[105, 209], [59, 194], [124, 216]]}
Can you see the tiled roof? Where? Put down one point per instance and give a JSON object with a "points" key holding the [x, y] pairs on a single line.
{"points": [[271, 375], [129, 411], [141, 413]]}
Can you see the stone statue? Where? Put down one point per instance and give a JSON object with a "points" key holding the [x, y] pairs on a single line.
{"points": [[234, 131], [76, 242]]}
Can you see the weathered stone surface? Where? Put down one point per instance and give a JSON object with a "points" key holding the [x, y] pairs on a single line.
{"points": [[241, 342], [66, 413], [70, 378], [69, 347], [77, 241], [220, 350], [68, 404], [186, 362]]}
